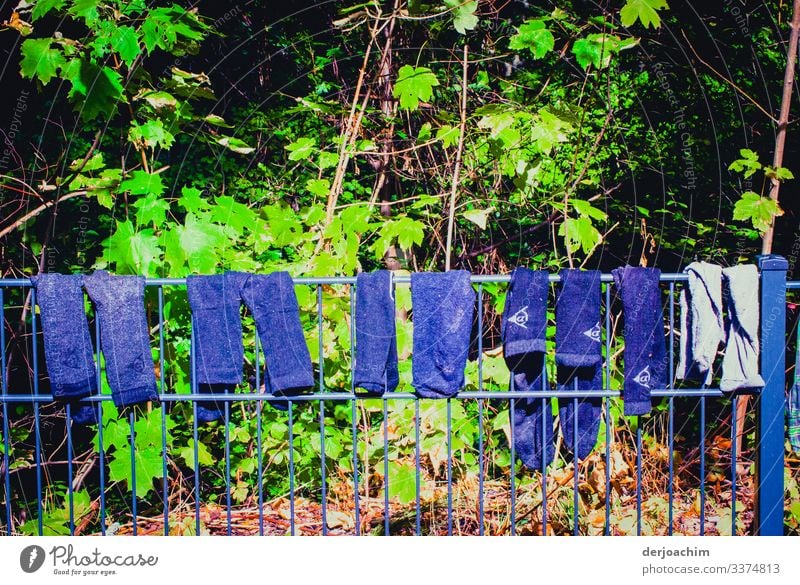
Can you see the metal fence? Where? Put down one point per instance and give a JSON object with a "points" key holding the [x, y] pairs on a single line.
{"points": [[768, 489]]}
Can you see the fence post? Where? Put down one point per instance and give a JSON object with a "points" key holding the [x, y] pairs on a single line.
{"points": [[770, 403]]}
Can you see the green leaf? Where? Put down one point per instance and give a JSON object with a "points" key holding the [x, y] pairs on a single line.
{"points": [[42, 7], [199, 239], [203, 454], [534, 36], [319, 187], [230, 212], [133, 252], [645, 11], [151, 134], [235, 145], [585, 208], [596, 49], [464, 17], [95, 90], [192, 201], [448, 135], [747, 164], [402, 482], [414, 84], [479, 216], [301, 148], [85, 9], [757, 209], [40, 60], [143, 183], [148, 465], [125, 42], [356, 218], [215, 120], [151, 209], [579, 233], [409, 232]]}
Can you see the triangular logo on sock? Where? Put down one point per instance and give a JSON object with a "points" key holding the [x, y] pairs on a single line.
{"points": [[593, 333], [71, 360], [520, 317], [643, 377]]}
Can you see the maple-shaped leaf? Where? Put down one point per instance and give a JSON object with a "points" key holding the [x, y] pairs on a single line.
{"points": [[414, 85], [464, 17], [151, 209], [534, 36], [143, 183], [759, 210], [645, 11], [40, 60]]}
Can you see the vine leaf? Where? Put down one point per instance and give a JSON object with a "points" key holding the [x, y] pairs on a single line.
{"points": [[414, 85], [646, 11], [759, 210], [40, 60], [534, 36]]}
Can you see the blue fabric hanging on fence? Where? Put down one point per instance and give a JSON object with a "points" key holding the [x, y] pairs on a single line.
{"points": [[124, 336], [376, 341], [272, 300], [645, 349], [740, 364], [794, 400], [67, 343], [215, 301], [579, 356], [443, 305], [523, 330]]}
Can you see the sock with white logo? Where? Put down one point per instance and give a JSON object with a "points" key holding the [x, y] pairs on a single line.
{"points": [[124, 336], [523, 331], [579, 356], [645, 351], [68, 348]]}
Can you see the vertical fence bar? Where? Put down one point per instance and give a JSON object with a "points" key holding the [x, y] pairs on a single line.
{"points": [[480, 410], [385, 468], [607, 412], [512, 403], [132, 424], [70, 495], [417, 526], [575, 463], [734, 403], [291, 467], [161, 375], [353, 410], [770, 404], [322, 463], [449, 468], [546, 404], [36, 417], [671, 414], [6, 426], [638, 475], [227, 419], [101, 454], [195, 434], [702, 466], [259, 440]]}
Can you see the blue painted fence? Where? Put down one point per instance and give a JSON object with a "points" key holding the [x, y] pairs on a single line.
{"points": [[770, 406]]}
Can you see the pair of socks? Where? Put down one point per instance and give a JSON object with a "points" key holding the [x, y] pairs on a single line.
{"points": [[215, 301], [523, 331], [375, 370], [645, 350], [124, 336], [443, 310], [579, 357], [68, 351]]}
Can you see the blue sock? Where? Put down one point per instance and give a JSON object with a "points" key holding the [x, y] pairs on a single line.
{"points": [[272, 301], [645, 351], [443, 304], [68, 351], [579, 355], [124, 336], [523, 330], [376, 342], [589, 409], [216, 301]]}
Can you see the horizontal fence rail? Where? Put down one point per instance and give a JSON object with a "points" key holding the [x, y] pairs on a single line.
{"points": [[453, 460]]}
